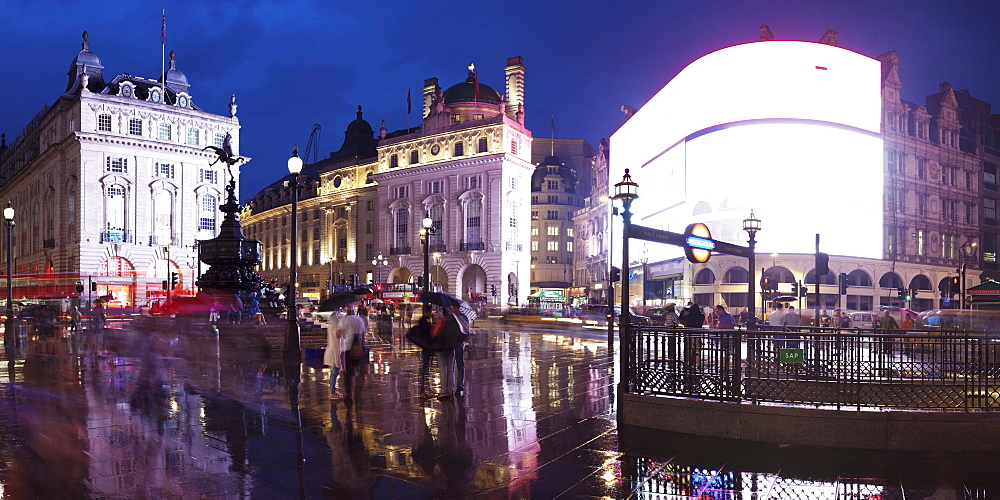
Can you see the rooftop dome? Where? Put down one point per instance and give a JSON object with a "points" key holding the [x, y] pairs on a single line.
{"points": [[466, 91], [552, 166], [359, 140], [176, 80], [89, 62]]}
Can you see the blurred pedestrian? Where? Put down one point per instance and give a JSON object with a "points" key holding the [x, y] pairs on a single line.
{"points": [[74, 319], [333, 354], [670, 316], [777, 316], [423, 332], [691, 316], [792, 318], [466, 330], [723, 319]]}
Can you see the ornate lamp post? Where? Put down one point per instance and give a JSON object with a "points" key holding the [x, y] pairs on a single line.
{"points": [[425, 236], [379, 262], [626, 191], [751, 225], [9, 338], [292, 344]]}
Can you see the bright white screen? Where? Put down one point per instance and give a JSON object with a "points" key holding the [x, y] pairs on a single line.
{"points": [[789, 129]]}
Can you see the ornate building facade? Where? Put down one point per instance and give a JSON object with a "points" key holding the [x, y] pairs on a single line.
{"points": [[466, 167], [111, 186]]}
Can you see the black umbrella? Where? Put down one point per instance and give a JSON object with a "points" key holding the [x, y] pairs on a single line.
{"points": [[336, 301], [362, 290], [449, 300], [785, 298]]}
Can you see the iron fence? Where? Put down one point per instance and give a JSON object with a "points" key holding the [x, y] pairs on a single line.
{"points": [[854, 369]]}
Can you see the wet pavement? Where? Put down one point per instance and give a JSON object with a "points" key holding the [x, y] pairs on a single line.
{"points": [[168, 410]]}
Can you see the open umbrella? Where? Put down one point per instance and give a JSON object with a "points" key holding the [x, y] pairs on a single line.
{"points": [[449, 300], [362, 290], [909, 312], [337, 300]]}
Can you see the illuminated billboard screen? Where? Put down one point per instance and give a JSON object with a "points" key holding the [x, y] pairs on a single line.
{"points": [[788, 129]]}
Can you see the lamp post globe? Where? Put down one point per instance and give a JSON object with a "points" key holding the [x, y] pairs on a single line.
{"points": [[10, 339], [751, 225], [292, 333]]}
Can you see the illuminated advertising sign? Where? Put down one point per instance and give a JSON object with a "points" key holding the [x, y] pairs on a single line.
{"points": [[788, 129]]}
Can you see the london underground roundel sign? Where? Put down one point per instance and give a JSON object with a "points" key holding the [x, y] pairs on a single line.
{"points": [[698, 243]]}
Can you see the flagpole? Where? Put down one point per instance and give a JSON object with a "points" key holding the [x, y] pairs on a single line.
{"points": [[409, 106], [163, 57]]}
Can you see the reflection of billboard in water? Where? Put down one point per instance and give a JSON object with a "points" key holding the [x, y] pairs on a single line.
{"points": [[788, 129]]}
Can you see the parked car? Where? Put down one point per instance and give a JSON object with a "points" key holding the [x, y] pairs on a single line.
{"points": [[596, 314]]}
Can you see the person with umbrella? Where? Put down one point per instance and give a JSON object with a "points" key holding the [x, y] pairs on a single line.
{"points": [[446, 336]]}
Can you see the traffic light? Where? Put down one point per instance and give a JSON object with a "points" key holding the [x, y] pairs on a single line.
{"points": [[765, 283], [420, 282], [616, 274], [795, 289], [175, 278], [803, 290], [165, 285], [79, 287], [822, 264], [955, 287], [93, 286], [909, 295], [913, 293], [901, 293], [493, 290], [843, 283]]}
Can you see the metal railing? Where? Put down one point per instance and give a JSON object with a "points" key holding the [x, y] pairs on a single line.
{"points": [[470, 246], [852, 369], [399, 250]]}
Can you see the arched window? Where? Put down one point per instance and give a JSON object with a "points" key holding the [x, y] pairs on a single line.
{"points": [[920, 282], [161, 216], [206, 221], [858, 277], [115, 214], [414, 157], [116, 266], [459, 149], [402, 228], [481, 145], [473, 221], [890, 280], [826, 279], [736, 275], [780, 274], [436, 213], [704, 277]]}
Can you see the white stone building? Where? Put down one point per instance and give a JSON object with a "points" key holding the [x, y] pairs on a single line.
{"points": [[110, 185]]}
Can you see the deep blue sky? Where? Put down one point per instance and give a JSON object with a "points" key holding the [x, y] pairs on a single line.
{"points": [[294, 63]]}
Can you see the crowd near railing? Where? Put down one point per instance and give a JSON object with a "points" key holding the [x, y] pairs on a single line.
{"points": [[818, 367]]}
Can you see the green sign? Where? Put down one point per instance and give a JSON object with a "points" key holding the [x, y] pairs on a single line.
{"points": [[551, 296], [787, 355]]}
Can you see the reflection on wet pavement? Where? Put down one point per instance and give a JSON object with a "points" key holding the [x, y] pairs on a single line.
{"points": [[165, 410]]}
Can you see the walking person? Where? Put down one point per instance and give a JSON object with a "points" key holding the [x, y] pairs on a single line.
{"points": [[333, 354], [445, 335], [421, 336], [74, 319], [466, 330]]}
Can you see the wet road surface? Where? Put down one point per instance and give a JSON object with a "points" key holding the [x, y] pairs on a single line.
{"points": [[165, 410]]}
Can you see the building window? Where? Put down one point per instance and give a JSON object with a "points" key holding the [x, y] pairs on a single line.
{"points": [[209, 176], [393, 161], [552, 246], [116, 165], [165, 170], [134, 126], [192, 137], [990, 208], [219, 139], [369, 226], [459, 149], [477, 116], [473, 182], [206, 221], [569, 246], [944, 209], [402, 227], [480, 146], [921, 242], [553, 199], [436, 214], [968, 213], [569, 232], [513, 183], [990, 176], [473, 221], [369, 251], [552, 230], [922, 168], [534, 245], [414, 157], [434, 187], [921, 204], [165, 132], [552, 215], [513, 146], [534, 215], [891, 159], [534, 231], [316, 233], [968, 180], [512, 216], [116, 213], [104, 122], [401, 192], [944, 173], [161, 216], [954, 176], [553, 185]]}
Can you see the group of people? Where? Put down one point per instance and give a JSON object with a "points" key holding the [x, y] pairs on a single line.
{"points": [[441, 333], [692, 316]]}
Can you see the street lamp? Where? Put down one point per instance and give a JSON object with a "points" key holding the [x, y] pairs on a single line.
{"points": [[626, 191], [9, 338], [292, 343], [751, 225], [379, 262], [425, 235]]}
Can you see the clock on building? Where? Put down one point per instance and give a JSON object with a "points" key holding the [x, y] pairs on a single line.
{"points": [[435, 149], [154, 95], [182, 101], [126, 91]]}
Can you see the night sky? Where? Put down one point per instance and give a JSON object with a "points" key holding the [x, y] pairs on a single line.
{"points": [[294, 63]]}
